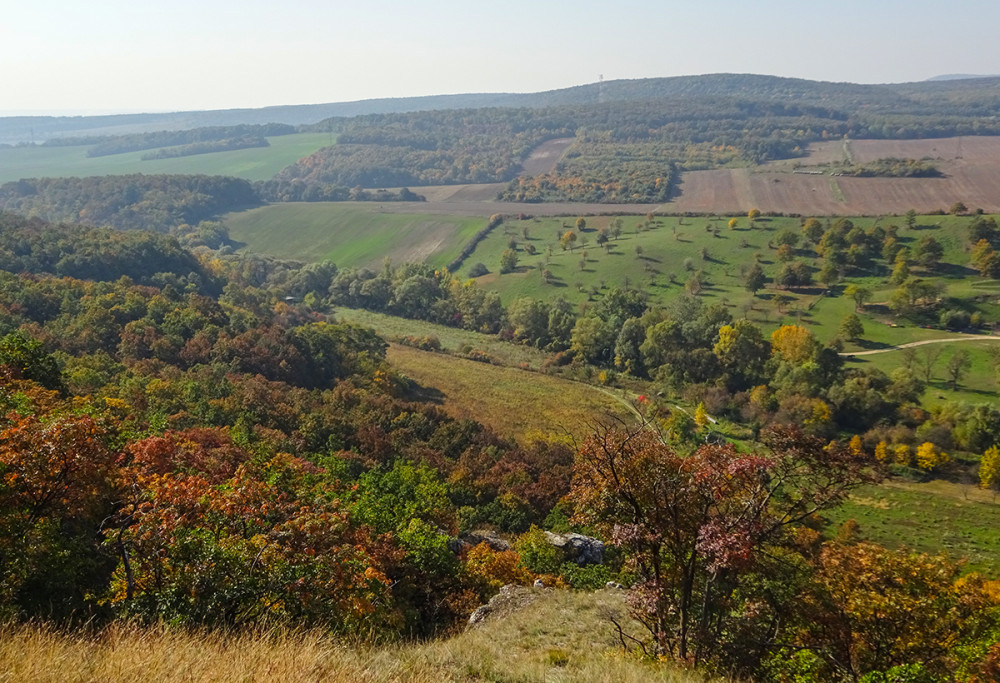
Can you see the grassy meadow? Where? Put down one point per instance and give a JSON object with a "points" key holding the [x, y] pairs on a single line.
{"points": [[515, 403], [351, 233], [259, 163], [558, 636], [957, 519], [452, 339]]}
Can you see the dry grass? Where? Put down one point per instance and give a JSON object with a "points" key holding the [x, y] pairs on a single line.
{"points": [[562, 636], [514, 402]]}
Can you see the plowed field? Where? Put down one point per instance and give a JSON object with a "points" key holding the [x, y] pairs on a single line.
{"points": [[971, 166]]}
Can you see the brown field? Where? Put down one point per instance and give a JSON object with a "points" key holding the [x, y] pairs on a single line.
{"points": [[971, 166], [543, 159]]}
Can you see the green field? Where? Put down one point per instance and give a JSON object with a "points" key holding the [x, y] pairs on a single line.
{"points": [[452, 339], [660, 256], [259, 163], [979, 385], [935, 517], [351, 234]]}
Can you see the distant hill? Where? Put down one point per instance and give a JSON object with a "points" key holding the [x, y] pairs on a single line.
{"points": [[20, 129], [959, 77]]}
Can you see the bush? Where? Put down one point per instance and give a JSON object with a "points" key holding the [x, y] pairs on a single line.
{"points": [[478, 270], [954, 319], [537, 554]]}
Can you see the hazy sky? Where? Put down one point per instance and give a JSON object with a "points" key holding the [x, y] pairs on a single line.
{"points": [[88, 56]]}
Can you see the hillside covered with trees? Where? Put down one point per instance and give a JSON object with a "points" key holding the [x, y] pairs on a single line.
{"points": [[195, 447]]}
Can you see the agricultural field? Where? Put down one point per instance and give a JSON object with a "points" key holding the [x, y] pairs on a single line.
{"points": [[351, 234], [971, 168], [259, 163]]}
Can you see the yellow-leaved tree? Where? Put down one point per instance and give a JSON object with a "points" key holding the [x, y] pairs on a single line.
{"points": [[794, 344], [989, 468], [929, 458]]}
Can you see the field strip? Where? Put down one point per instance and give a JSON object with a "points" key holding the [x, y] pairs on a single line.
{"points": [[977, 337]]}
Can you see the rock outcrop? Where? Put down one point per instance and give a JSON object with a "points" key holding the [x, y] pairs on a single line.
{"points": [[578, 548]]}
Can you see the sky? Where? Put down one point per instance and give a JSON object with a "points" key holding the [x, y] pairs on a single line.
{"points": [[111, 56]]}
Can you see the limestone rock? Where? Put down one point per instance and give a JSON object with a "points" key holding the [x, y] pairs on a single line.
{"points": [[578, 548]]}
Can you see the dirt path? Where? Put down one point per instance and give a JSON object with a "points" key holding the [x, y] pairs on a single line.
{"points": [[971, 337]]}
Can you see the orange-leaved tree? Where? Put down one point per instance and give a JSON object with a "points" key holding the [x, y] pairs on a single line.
{"points": [[54, 491], [209, 534]]}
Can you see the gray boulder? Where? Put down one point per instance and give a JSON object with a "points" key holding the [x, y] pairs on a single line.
{"points": [[578, 548]]}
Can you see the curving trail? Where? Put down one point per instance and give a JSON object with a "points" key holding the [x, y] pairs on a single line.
{"points": [[971, 337]]}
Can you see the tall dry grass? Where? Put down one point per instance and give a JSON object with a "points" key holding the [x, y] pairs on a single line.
{"points": [[562, 636]]}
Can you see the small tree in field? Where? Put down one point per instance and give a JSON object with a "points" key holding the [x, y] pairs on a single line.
{"points": [[755, 279], [508, 261], [851, 327], [861, 295]]}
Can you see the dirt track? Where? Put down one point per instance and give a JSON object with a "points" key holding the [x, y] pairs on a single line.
{"points": [[972, 337]]}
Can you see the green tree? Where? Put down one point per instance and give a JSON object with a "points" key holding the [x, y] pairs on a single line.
{"points": [[900, 272], [957, 366], [628, 357], [755, 279], [910, 218], [593, 339], [851, 327], [829, 274], [813, 230], [860, 294], [24, 358], [743, 352], [929, 252], [508, 261]]}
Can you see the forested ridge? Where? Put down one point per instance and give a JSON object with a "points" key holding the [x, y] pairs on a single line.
{"points": [[150, 202], [195, 447], [632, 139]]}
